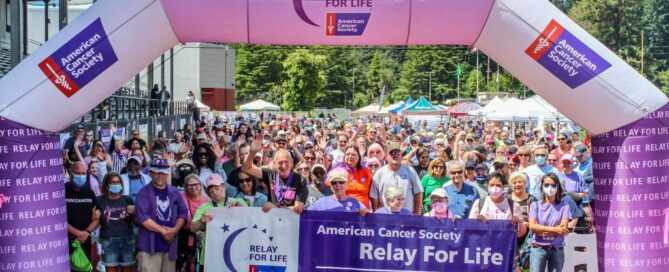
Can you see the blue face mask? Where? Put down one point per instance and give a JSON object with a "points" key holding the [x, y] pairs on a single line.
{"points": [[115, 188], [541, 160], [481, 179], [79, 180]]}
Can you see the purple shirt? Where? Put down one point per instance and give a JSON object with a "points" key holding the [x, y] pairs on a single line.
{"points": [[573, 183], [550, 215], [386, 210], [146, 208]]}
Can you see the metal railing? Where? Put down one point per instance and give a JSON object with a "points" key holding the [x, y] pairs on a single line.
{"points": [[125, 106]]}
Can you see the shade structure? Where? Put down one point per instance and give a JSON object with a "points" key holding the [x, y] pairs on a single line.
{"points": [[463, 108], [370, 109], [386, 110], [259, 105], [399, 108], [201, 105], [540, 108], [492, 106], [512, 110]]}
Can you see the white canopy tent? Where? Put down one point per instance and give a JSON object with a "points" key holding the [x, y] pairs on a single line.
{"points": [[492, 106], [511, 110], [202, 106], [538, 107], [368, 110], [259, 105]]}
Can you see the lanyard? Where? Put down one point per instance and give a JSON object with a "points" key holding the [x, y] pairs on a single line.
{"points": [[225, 203], [280, 191]]}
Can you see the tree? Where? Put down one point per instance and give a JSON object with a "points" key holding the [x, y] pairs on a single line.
{"points": [[258, 70], [305, 78], [382, 72], [442, 61]]}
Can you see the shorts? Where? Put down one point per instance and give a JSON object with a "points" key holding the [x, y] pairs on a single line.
{"points": [[118, 251]]}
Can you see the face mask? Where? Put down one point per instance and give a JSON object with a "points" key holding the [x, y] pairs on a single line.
{"points": [[495, 191], [115, 188], [481, 179], [79, 180], [541, 160], [550, 191], [440, 207]]}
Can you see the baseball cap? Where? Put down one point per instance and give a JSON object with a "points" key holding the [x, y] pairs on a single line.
{"points": [[318, 166], [338, 174], [309, 143], [482, 166], [481, 149], [280, 139], [470, 165], [393, 146], [440, 192], [513, 150], [135, 158], [80, 126], [185, 161], [159, 166], [579, 149], [500, 160], [259, 154], [567, 157], [214, 180]]}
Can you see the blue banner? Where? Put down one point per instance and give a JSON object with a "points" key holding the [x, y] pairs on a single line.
{"points": [[339, 241]]}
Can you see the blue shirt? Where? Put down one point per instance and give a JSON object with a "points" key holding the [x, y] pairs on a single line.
{"points": [[386, 210], [135, 186], [460, 202]]}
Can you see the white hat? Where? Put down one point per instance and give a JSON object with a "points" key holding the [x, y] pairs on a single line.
{"points": [[440, 192]]}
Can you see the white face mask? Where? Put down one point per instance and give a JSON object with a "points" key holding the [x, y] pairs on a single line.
{"points": [[550, 191], [495, 191]]}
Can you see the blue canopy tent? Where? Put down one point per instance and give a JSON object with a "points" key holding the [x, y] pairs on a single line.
{"points": [[401, 107]]}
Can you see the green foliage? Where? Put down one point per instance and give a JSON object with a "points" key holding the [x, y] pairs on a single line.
{"points": [[305, 78], [259, 70]]}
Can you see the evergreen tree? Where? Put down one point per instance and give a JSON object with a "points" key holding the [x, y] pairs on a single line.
{"points": [[258, 70], [305, 78]]}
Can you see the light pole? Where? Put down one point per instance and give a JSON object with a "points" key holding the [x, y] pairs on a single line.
{"points": [[353, 89], [430, 88]]}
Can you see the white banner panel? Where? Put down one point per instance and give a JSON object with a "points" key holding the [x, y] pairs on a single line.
{"points": [[557, 59], [85, 63], [247, 239]]}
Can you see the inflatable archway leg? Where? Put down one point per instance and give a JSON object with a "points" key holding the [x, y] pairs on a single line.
{"points": [[33, 219], [631, 173]]}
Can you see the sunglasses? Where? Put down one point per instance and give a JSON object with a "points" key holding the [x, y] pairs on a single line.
{"points": [[562, 139], [546, 185], [245, 180], [281, 143], [374, 166], [319, 173], [523, 155], [335, 182], [395, 153], [456, 172]]}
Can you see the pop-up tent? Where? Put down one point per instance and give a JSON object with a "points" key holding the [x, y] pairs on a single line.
{"points": [[259, 105], [492, 106], [463, 108], [538, 107], [386, 110], [512, 109], [401, 107], [370, 109]]}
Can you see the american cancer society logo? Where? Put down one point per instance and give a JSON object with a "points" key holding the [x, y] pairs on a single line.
{"points": [[80, 60], [565, 56]]}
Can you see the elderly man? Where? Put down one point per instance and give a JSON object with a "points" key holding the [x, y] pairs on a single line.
{"points": [[82, 214], [160, 214], [461, 195], [286, 189], [397, 174]]}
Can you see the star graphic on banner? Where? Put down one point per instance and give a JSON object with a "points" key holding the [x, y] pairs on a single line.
{"points": [[264, 231], [271, 238], [225, 227], [255, 226]]}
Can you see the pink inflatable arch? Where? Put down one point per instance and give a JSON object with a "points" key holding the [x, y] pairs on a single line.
{"points": [[112, 41]]}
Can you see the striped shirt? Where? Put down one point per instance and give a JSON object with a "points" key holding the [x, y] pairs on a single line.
{"points": [[119, 161]]}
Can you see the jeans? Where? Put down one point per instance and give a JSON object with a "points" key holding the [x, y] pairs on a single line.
{"points": [[118, 251], [540, 258]]}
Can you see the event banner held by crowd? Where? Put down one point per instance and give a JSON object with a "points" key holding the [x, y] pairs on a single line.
{"points": [[246, 239]]}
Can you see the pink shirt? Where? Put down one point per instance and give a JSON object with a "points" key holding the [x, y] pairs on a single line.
{"points": [[192, 204]]}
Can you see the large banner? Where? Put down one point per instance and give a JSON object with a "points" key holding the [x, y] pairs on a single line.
{"points": [[631, 173], [33, 221], [246, 239], [338, 241]]}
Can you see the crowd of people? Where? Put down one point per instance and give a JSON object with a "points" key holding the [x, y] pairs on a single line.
{"points": [[145, 205]]}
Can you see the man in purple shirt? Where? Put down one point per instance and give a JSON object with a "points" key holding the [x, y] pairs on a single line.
{"points": [[160, 214]]}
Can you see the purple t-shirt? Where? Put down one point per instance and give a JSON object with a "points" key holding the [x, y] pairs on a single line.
{"points": [[163, 217], [551, 215], [349, 205], [573, 183], [386, 210]]}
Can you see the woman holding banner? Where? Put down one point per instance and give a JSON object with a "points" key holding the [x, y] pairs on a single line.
{"points": [[496, 206], [338, 179], [548, 221]]}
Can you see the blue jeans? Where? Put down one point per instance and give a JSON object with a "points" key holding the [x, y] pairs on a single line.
{"points": [[540, 258]]}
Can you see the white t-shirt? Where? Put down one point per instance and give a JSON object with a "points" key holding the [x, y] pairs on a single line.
{"points": [[491, 210], [405, 178]]}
